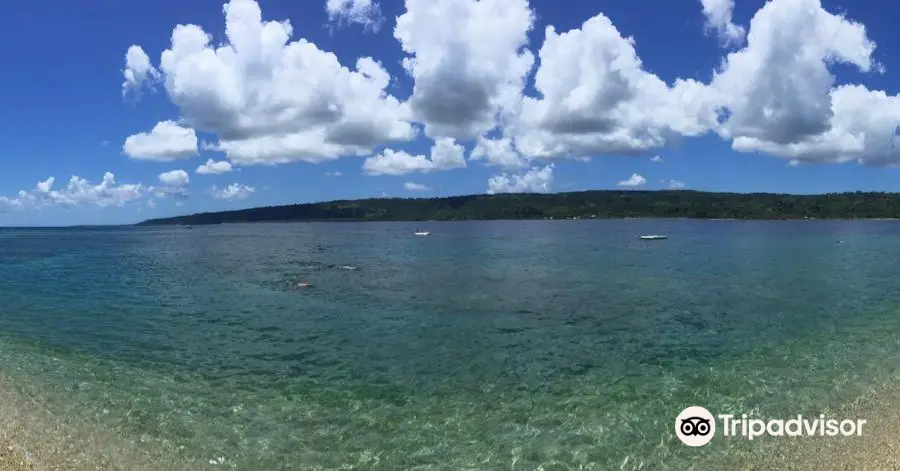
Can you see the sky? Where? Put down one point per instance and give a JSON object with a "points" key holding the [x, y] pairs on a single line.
{"points": [[139, 110]]}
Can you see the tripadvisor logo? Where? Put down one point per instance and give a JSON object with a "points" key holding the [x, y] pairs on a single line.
{"points": [[696, 426]]}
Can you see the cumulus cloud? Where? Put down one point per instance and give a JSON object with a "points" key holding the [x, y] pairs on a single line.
{"points": [[176, 178], [498, 152], [718, 15], [78, 191], [139, 72], [410, 186], [535, 180], [468, 61], [235, 191], [211, 167], [391, 162], [676, 185], [18, 202], [446, 154], [45, 186], [270, 100], [173, 183], [656, 159], [362, 12], [635, 181], [597, 98], [780, 97], [167, 141]]}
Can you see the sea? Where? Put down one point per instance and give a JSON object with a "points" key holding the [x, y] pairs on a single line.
{"points": [[513, 345]]}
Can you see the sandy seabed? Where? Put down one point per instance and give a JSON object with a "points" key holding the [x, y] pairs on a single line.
{"points": [[32, 438], [878, 448]]}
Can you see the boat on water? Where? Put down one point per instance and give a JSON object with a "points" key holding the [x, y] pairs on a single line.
{"points": [[422, 233], [653, 237]]}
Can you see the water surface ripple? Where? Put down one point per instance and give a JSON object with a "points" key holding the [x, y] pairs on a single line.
{"points": [[489, 345]]}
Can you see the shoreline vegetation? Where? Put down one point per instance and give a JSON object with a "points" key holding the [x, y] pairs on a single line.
{"points": [[601, 204]]}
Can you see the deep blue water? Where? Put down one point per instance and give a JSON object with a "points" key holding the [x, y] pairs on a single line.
{"points": [[488, 345]]}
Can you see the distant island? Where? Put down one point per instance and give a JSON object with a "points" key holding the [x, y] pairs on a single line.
{"points": [[575, 205]]}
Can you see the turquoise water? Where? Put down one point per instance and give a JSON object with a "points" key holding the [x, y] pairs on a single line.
{"points": [[489, 345]]}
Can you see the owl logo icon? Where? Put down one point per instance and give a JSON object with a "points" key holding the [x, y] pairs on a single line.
{"points": [[695, 426]]}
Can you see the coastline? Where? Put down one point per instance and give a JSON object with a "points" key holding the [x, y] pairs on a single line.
{"points": [[35, 438], [431, 221], [877, 449], [594, 204], [32, 438]]}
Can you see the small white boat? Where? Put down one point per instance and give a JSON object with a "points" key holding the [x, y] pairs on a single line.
{"points": [[421, 233], [653, 237]]}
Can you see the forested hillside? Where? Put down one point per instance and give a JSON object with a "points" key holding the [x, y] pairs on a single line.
{"points": [[585, 204]]}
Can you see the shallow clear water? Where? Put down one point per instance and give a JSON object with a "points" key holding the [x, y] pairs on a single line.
{"points": [[488, 345]]}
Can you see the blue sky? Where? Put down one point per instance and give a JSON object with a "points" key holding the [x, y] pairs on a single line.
{"points": [[786, 96]]}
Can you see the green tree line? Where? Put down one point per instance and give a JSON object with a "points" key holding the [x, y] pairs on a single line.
{"points": [[583, 204]]}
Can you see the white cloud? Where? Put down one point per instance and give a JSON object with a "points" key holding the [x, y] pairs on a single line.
{"points": [[635, 180], [211, 167], [446, 154], [781, 97], [410, 186], [15, 203], [535, 180], [106, 193], [468, 61], [676, 185], [363, 12], [139, 72], [596, 98], [235, 191], [78, 191], [718, 15], [334, 174], [391, 162], [656, 159], [173, 183], [166, 142], [46, 185], [175, 178], [497, 152], [271, 100]]}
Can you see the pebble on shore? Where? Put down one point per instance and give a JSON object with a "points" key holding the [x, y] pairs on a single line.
{"points": [[13, 460]]}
